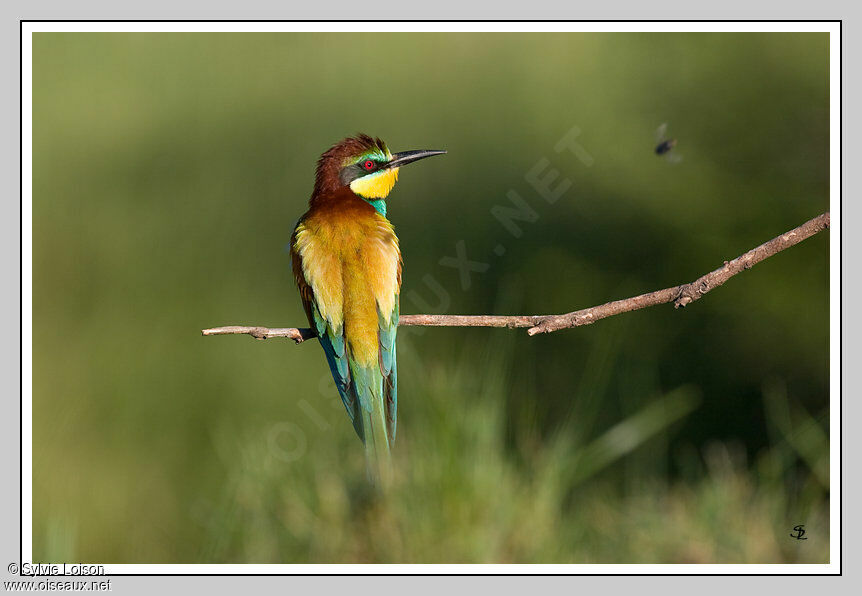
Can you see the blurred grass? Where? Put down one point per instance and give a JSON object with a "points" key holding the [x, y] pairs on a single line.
{"points": [[168, 171]]}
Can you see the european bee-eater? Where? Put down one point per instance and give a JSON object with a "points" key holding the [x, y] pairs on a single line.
{"points": [[347, 265]]}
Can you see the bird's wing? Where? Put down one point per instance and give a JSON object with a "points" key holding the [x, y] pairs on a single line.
{"points": [[305, 292], [330, 335], [387, 330]]}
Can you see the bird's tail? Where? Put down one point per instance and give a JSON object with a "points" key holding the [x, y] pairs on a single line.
{"points": [[376, 438]]}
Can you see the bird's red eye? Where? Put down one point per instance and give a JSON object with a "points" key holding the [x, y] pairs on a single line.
{"points": [[368, 165]]}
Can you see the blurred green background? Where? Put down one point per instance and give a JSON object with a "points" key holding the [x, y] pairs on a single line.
{"points": [[169, 170]]}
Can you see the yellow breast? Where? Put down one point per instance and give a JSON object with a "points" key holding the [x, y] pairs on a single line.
{"points": [[352, 262]]}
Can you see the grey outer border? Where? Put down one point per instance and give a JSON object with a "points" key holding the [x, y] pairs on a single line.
{"points": [[10, 243]]}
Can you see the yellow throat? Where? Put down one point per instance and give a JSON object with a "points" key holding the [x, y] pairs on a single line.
{"points": [[377, 185]]}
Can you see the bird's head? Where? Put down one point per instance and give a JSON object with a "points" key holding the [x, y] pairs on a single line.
{"points": [[365, 165]]}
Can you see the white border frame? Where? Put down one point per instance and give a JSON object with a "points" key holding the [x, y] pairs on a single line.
{"points": [[831, 27]]}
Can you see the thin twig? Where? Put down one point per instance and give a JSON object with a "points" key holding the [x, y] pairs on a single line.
{"points": [[679, 295]]}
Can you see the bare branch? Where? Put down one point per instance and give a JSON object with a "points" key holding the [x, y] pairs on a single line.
{"points": [[297, 335], [535, 324]]}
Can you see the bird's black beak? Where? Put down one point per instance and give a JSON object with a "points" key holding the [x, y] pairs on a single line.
{"points": [[405, 157]]}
